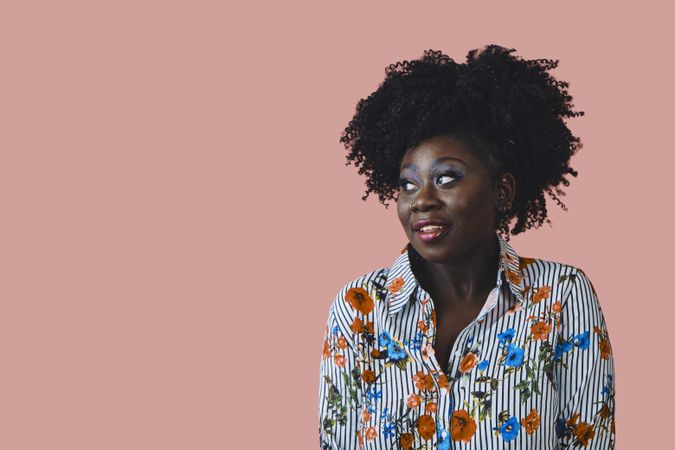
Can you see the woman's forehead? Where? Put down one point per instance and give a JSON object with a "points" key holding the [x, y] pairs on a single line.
{"points": [[439, 149]]}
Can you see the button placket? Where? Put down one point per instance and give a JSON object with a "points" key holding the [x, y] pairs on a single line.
{"points": [[431, 365]]}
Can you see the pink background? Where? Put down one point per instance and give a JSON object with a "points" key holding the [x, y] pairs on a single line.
{"points": [[177, 214]]}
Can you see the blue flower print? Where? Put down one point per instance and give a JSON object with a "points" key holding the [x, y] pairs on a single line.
{"points": [[514, 357], [561, 427], [483, 364], [389, 429], [395, 351], [415, 343], [335, 329], [443, 437], [506, 336], [374, 394], [509, 429], [582, 340], [385, 339], [562, 347]]}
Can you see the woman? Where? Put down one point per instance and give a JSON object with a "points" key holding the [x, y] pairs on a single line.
{"points": [[462, 343]]}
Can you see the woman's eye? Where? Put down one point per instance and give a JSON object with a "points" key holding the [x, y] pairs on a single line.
{"points": [[447, 178], [405, 185]]}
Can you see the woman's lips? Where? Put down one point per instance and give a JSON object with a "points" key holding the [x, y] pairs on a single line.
{"points": [[433, 234]]}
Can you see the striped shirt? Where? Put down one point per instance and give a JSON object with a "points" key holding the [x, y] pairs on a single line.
{"points": [[534, 370]]}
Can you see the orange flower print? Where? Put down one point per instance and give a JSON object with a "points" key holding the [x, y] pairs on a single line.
{"points": [[463, 426], [426, 427], [371, 433], [365, 415], [423, 326], [375, 353], [413, 401], [342, 342], [573, 420], [584, 432], [515, 308], [540, 330], [326, 349], [357, 325], [468, 362], [514, 277], [442, 381], [531, 421], [360, 436], [406, 441], [604, 411], [605, 348], [427, 351], [541, 293], [396, 285], [430, 407], [423, 381], [596, 329], [556, 307], [524, 261], [368, 376], [339, 360], [360, 300]]}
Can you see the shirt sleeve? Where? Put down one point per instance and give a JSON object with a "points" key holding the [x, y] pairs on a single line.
{"points": [[585, 371], [339, 386]]}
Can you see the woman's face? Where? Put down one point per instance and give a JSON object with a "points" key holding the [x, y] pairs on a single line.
{"points": [[443, 183]]}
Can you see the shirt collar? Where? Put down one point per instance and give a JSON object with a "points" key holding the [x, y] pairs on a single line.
{"points": [[401, 282]]}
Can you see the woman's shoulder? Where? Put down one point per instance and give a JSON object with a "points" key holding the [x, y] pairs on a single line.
{"points": [[360, 295], [371, 283], [534, 268], [565, 276]]}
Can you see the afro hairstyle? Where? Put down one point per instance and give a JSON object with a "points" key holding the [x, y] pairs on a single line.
{"points": [[509, 111]]}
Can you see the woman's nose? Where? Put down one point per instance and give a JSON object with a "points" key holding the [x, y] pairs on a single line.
{"points": [[425, 199]]}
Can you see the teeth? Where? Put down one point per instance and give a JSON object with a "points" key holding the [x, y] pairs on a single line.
{"points": [[432, 227]]}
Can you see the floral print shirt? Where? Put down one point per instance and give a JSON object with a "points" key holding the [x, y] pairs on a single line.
{"points": [[534, 370]]}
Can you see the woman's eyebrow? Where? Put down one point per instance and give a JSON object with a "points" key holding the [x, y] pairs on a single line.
{"points": [[435, 162], [444, 158]]}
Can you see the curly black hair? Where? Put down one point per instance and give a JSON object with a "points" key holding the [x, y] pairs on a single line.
{"points": [[509, 111]]}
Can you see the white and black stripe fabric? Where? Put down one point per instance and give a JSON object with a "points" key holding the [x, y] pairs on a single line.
{"points": [[534, 370]]}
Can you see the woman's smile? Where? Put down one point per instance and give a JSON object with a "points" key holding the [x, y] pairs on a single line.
{"points": [[432, 233]]}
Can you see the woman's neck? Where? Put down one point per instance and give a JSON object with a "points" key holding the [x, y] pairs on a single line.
{"points": [[462, 281]]}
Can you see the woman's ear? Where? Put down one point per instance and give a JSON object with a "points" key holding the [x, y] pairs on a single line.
{"points": [[505, 191]]}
